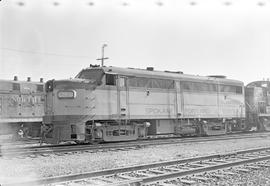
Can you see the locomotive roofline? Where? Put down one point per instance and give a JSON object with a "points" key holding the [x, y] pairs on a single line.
{"points": [[17, 81], [258, 84], [165, 75]]}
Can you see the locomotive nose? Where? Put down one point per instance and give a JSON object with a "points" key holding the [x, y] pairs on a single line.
{"points": [[69, 104], [69, 97], [68, 100]]}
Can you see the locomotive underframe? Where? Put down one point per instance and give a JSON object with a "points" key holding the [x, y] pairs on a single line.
{"points": [[128, 130], [18, 130]]}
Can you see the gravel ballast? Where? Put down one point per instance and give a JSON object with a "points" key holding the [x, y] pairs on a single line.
{"points": [[74, 163]]}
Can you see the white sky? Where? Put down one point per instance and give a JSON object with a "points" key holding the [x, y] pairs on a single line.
{"points": [[40, 39]]}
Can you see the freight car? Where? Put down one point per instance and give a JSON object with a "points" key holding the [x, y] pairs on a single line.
{"points": [[21, 107], [120, 104]]}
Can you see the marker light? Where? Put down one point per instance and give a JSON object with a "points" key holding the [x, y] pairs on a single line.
{"points": [[66, 94]]}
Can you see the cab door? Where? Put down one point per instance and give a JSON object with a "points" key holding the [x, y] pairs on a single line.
{"points": [[49, 96], [179, 99], [122, 97]]}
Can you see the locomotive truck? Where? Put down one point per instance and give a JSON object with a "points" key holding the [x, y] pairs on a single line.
{"points": [[121, 104]]}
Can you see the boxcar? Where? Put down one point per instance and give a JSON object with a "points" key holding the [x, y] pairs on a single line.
{"points": [[118, 104]]}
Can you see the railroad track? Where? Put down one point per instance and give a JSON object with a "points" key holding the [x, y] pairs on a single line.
{"points": [[35, 151], [178, 172]]}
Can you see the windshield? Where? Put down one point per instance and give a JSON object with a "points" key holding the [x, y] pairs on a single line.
{"points": [[91, 74]]}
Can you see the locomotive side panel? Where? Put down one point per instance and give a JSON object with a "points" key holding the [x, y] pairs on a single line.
{"points": [[69, 104], [104, 102], [65, 105], [231, 101], [200, 105], [152, 104], [199, 99], [130, 102], [231, 106], [22, 107]]}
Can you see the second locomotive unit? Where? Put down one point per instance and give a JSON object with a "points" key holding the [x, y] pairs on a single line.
{"points": [[257, 96], [21, 108], [120, 104]]}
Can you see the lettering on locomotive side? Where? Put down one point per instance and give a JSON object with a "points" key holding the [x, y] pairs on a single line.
{"points": [[13, 101], [158, 111], [25, 101], [199, 111], [230, 101]]}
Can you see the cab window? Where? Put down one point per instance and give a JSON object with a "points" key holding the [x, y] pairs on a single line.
{"points": [[16, 86], [110, 79], [40, 88]]}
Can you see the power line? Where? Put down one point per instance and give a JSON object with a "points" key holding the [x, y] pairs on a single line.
{"points": [[43, 53]]}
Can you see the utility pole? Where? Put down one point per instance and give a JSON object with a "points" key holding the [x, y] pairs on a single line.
{"points": [[102, 55]]}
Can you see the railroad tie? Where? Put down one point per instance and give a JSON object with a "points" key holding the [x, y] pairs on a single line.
{"points": [[126, 177], [252, 155], [264, 165], [171, 169], [242, 170], [220, 161], [181, 167], [101, 180], [196, 165], [168, 184], [188, 182], [252, 167], [218, 176], [158, 171], [146, 174], [228, 173], [210, 163], [201, 178]]}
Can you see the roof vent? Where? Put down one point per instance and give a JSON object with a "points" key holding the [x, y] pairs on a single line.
{"points": [[175, 72], [217, 76], [28, 79], [93, 66], [150, 68], [15, 78]]}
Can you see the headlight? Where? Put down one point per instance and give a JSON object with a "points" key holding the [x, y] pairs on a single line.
{"points": [[66, 94]]}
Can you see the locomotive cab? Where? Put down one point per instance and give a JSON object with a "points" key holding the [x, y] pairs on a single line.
{"points": [[90, 107], [69, 104]]}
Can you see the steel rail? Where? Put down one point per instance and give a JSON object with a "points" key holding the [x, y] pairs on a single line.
{"points": [[149, 180], [241, 160], [114, 146]]}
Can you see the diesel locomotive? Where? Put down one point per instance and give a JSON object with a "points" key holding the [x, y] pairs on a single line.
{"points": [[21, 108], [257, 97], [120, 104]]}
